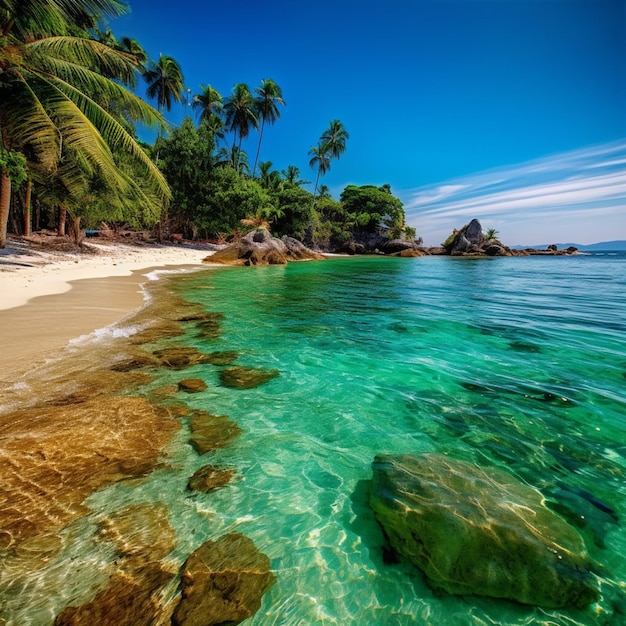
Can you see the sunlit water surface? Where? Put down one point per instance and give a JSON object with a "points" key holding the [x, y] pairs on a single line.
{"points": [[518, 363]]}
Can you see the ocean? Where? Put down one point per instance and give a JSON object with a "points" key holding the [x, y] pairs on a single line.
{"points": [[514, 363]]}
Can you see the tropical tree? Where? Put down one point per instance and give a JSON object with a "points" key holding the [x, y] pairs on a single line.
{"points": [[233, 157], [53, 85], [335, 137], [332, 145], [269, 178], [292, 176], [165, 82], [240, 114], [208, 103], [269, 96], [320, 159]]}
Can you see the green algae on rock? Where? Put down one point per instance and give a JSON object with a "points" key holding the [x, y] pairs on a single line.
{"points": [[479, 531], [246, 377], [223, 582]]}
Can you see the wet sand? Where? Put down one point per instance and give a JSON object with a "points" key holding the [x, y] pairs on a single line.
{"points": [[47, 299], [41, 328]]}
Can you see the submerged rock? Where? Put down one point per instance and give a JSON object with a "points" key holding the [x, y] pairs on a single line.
{"points": [[179, 357], [140, 531], [130, 599], [223, 582], [480, 531], [192, 385], [53, 457], [210, 432], [209, 477], [246, 377], [222, 358]]}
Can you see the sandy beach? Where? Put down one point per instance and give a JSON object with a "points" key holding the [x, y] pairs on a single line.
{"points": [[49, 297]]}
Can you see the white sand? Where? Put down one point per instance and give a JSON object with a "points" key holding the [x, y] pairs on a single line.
{"points": [[27, 272], [48, 298]]}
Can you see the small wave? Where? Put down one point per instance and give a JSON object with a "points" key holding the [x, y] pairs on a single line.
{"points": [[113, 331]]}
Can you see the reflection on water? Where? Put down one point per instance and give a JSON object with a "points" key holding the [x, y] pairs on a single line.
{"points": [[513, 363]]}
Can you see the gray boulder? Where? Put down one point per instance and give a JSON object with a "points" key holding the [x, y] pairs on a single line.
{"points": [[479, 531]]}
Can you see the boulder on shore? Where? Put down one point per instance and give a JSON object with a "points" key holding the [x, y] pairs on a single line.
{"points": [[479, 531], [260, 248]]}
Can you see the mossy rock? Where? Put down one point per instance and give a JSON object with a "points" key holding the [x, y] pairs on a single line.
{"points": [[210, 432], [180, 357], [246, 377], [480, 531], [226, 357], [208, 478], [192, 385]]}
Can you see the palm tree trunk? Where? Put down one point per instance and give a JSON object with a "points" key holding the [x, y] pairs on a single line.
{"points": [[317, 178], [239, 152], [5, 203], [62, 220], [258, 150], [27, 216]]}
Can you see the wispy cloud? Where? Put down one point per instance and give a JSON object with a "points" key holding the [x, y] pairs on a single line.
{"points": [[574, 196]]}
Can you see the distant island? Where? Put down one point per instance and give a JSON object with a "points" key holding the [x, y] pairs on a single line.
{"points": [[615, 245]]}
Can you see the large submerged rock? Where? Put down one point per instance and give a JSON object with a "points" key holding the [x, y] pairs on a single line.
{"points": [[260, 248], [223, 582], [479, 531]]}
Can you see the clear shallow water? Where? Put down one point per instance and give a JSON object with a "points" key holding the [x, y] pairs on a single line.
{"points": [[518, 363]]}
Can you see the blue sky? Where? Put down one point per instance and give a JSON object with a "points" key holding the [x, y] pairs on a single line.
{"points": [[436, 94]]}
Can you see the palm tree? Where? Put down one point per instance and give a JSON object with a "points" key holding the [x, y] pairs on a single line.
{"points": [[292, 175], [215, 124], [269, 95], [320, 158], [335, 136], [208, 103], [240, 115], [52, 87], [233, 157], [165, 82]]}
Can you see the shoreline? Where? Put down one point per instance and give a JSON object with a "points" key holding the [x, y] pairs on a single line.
{"points": [[49, 298]]}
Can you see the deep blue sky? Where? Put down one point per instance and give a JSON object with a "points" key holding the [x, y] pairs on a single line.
{"points": [[430, 90]]}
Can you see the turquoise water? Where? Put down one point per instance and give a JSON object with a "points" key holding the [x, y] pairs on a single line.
{"points": [[518, 363]]}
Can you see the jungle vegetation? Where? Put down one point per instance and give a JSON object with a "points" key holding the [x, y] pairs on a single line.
{"points": [[70, 110]]}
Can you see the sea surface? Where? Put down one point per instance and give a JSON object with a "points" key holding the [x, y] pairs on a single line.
{"points": [[517, 363]]}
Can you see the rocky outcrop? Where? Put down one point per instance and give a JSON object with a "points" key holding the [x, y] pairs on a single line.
{"points": [[223, 582], [471, 241], [260, 248], [479, 531]]}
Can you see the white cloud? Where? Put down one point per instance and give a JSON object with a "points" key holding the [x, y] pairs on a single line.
{"points": [[584, 188]]}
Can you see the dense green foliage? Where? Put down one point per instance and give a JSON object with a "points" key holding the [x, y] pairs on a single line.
{"points": [[370, 208]]}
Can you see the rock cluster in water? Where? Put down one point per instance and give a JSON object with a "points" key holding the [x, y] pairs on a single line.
{"points": [[260, 248], [479, 531], [83, 438], [471, 241]]}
